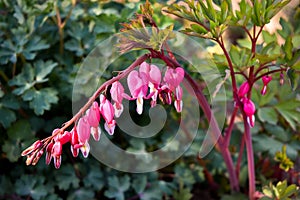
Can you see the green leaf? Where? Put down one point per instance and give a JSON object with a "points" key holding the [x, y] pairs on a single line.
{"points": [[29, 185], [6, 185], [286, 30], [41, 100], [288, 110], [183, 194], [117, 187], [237, 196], [25, 80], [7, 116], [293, 78], [66, 178], [81, 193], [42, 69], [268, 114], [94, 178], [288, 48], [139, 184], [20, 136]]}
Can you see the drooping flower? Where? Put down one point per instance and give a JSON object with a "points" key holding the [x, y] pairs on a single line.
{"points": [[93, 118], [49, 153], [84, 135], [172, 79], [37, 144], [153, 75], [117, 91], [249, 109], [107, 111], [138, 86], [244, 89], [266, 80], [56, 154], [74, 142]]}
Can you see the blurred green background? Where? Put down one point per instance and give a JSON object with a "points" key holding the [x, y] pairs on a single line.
{"points": [[38, 65]]}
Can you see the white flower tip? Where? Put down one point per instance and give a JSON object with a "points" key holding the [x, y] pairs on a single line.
{"points": [[110, 128], [96, 132], [178, 105], [85, 149], [118, 111], [139, 105]]}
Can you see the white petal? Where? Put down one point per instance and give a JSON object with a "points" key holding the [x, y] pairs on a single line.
{"points": [[110, 128], [139, 105], [85, 149]]}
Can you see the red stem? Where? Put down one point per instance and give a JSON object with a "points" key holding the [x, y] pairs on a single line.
{"points": [[239, 160], [230, 127], [250, 158], [234, 183]]}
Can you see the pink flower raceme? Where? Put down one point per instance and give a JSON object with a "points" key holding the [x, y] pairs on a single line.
{"points": [[249, 109], [93, 118], [138, 86], [173, 78], [266, 80], [153, 75], [244, 89], [108, 112], [117, 91]]}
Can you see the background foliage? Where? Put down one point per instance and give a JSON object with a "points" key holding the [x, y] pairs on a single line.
{"points": [[39, 57]]}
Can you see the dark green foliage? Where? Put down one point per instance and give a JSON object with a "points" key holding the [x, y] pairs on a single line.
{"points": [[38, 65]]}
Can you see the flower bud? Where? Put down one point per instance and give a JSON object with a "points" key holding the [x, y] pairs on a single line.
{"points": [[244, 89]]}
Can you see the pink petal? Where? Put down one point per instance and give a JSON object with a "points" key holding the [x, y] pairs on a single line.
{"points": [[134, 83], [243, 90], [64, 138], [83, 130], [56, 149], [155, 75], [106, 109], [116, 92], [266, 79], [249, 107], [174, 77], [93, 115]]}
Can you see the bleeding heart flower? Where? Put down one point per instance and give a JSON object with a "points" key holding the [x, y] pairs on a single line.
{"points": [[93, 118], [107, 111], [244, 89], [74, 142], [153, 75], [249, 109], [56, 154], [266, 80], [83, 130], [117, 91], [138, 86], [173, 77]]}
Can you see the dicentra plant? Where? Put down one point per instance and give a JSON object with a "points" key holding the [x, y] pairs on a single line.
{"points": [[257, 59]]}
